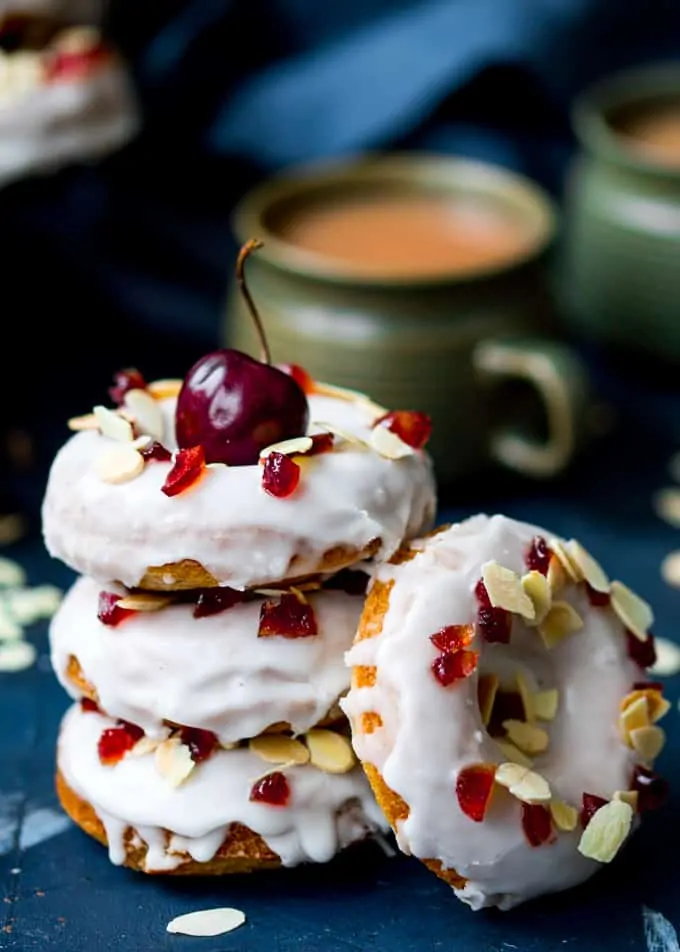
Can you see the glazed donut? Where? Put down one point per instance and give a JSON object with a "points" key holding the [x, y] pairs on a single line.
{"points": [[352, 503], [501, 709], [209, 824], [214, 673]]}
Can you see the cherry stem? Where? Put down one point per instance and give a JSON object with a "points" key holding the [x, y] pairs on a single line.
{"points": [[244, 253]]}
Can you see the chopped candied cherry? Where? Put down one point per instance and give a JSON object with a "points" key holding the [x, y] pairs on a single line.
{"points": [[642, 652], [155, 451], [108, 611], [449, 668], [115, 742], [299, 375], [411, 426], [124, 381], [653, 790], [537, 824], [321, 443], [188, 468], [73, 64], [452, 638], [591, 804], [280, 475], [648, 686], [494, 624], [88, 705], [597, 599], [273, 790], [201, 743], [289, 617], [212, 601], [474, 787], [538, 556]]}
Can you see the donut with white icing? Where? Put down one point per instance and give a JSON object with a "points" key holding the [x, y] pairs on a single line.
{"points": [[50, 117], [353, 503], [209, 824], [214, 673], [502, 711]]}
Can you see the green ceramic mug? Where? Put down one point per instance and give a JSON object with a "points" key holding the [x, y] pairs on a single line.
{"points": [[619, 264], [477, 351]]}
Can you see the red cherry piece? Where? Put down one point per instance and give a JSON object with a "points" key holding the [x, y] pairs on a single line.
{"points": [[187, 469], [288, 618], [653, 790], [115, 742], [74, 64], [299, 375], [321, 443], [449, 668], [648, 686], [351, 581], [273, 790], [411, 426], [90, 706], [201, 743], [507, 706], [597, 599], [482, 595], [108, 611], [155, 451], [538, 555], [124, 381], [591, 804], [212, 601], [280, 475], [494, 624], [537, 824], [234, 406], [642, 652], [452, 638], [474, 787]]}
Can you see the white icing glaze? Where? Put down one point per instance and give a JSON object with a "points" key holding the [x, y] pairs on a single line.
{"points": [[46, 125], [326, 813], [241, 535], [213, 672], [429, 732]]}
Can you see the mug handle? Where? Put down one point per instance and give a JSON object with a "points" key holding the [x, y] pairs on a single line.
{"points": [[560, 380]]}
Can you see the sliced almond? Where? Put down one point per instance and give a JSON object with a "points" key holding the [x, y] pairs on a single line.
{"points": [[667, 506], [322, 427], [10, 629], [12, 575], [145, 745], [560, 550], [545, 704], [657, 705], [329, 751], [352, 396], [173, 760], [505, 590], [529, 739], [562, 620], [634, 612], [487, 688], [670, 569], [28, 605], [301, 444], [145, 602], [118, 464], [565, 817], [141, 442], [388, 444], [279, 749], [588, 567], [113, 425], [556, 576], [164, 389], [16, 655], [667, 658], [634, 716], [146, 412], [514, 754], [537, 587], [526, 696], [86, 422], [207, 922], [630, 797], [648, 741], [526, 785], [607, 831]]}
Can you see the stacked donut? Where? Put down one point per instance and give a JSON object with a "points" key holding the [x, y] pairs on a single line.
{"points": [[203, 642], [65, 94]]}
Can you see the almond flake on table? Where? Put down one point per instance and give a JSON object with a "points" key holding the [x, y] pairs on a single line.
{"points": [[667, 658], [207, 922], [16, 655]]}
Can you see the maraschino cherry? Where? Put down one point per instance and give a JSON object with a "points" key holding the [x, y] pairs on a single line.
{"points": [[233, 405]]}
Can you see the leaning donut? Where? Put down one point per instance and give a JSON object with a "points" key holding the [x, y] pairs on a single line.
{"points": [[138, 511], [502, 711]]}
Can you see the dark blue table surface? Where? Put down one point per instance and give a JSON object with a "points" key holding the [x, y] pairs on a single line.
{"points": [[62, 893]]}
